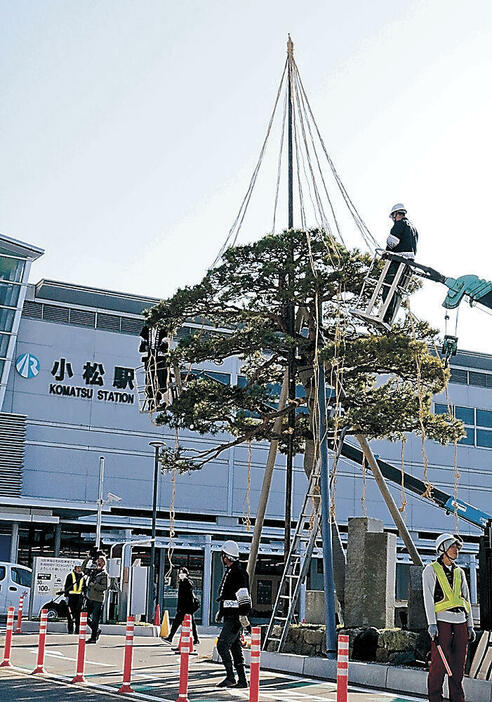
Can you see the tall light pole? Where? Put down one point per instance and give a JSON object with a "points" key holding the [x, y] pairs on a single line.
{"points": [[150, 588], [100, 501]]}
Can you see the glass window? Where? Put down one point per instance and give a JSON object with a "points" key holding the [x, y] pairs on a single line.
{"points": [[6, 319], [484, 418], [9, 294], [478, 379], [4, 344], [242, 381], [459, 376], [2, 572], [442, 409], [11, 268], [21, 576], [466, 414], [469, 439], [484, 438]]}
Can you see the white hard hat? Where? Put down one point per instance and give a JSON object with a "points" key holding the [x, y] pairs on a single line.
{"points": [[231, 550], [445, 541], [399, 207]]}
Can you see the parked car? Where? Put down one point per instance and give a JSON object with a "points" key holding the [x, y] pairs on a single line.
{"points": [[15, 579], [57, 607]]}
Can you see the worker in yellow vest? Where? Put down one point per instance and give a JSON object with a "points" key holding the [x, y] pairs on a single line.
{"points": [[449, 618], [74, 592]]}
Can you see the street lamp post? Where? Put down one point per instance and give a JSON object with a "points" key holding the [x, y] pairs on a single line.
{"points": [[100, 502], [150, 589]]}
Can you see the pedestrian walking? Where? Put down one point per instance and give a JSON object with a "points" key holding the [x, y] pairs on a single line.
{"points": [[97, 584], [449, 618], [235, 606], [187, 604], [74, 591]]}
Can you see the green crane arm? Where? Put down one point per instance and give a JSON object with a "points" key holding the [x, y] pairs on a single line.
{"points": [[477, 290]]}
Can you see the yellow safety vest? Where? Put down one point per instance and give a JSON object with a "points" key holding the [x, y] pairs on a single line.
{"points": [[452, 598], [76, 587]]}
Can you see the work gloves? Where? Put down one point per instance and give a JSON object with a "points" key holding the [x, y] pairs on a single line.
{"points": [[471, 634], [244, 621], [433, 631]]}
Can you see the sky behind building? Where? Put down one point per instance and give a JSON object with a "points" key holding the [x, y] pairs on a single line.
{"points": [[129, 130]]}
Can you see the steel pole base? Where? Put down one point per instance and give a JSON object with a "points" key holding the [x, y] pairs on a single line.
{"points": [[78, 679], [182, 698], [39, 670], [126, 687], [5, 664]]}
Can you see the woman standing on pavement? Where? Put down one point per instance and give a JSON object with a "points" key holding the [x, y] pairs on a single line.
{"points": [[187, 604]]}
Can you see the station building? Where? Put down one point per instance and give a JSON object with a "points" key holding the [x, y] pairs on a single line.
{"points": [[68, 398]]}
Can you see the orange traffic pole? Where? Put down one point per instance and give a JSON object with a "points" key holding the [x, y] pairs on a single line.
{"points": [[79, 676], [43, 625], [8, 639], [185, 650], [254, 665], [127, 665], [18, 629], [342, 667]]}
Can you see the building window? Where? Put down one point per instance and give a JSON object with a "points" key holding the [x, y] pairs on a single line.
{"points": [[9, 294], [484, 438], [474, 420], [459, 376], [11, 268], [264, 592]]}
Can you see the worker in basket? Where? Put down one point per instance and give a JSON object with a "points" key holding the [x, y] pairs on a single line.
{"points": [[449, 618], [402, 240]]}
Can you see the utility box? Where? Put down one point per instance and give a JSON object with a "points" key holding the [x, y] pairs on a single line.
{"points": [[485, 577]]}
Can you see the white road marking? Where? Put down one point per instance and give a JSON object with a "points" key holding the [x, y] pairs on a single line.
{"points": [[58, 654]]}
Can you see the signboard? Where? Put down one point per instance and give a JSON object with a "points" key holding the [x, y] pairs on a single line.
{"points": [[48, 576]]}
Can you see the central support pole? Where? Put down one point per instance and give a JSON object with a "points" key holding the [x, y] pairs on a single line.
{"points": [[290, 314], [100, 502], [328, 579], [157, 445]]}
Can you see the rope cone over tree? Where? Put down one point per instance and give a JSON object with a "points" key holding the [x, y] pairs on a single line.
{"points": [[245, 296]]}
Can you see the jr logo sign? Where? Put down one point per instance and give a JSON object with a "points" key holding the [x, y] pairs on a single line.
{"points": [[27, 365]]}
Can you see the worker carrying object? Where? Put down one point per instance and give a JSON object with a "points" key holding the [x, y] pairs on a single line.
{"points": [[402, 240], [449, 618], [74, 591], [235, 606]]}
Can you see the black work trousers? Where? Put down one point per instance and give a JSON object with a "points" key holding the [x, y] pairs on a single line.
{"points": [[73, 616], [178, 620], [230, 643], [388, 282], [94, 611]]}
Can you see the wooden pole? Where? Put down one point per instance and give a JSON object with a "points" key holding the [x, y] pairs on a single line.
{"points": [[388, 498]]}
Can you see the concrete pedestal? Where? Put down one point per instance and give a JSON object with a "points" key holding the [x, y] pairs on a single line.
{"points": [[370, 575]]}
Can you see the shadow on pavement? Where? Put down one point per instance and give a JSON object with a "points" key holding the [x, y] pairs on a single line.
{"points": [[24, 689]]}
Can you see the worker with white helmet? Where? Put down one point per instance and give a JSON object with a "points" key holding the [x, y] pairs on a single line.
{"points": [[402, 240], [234, 607], [449, 618]]}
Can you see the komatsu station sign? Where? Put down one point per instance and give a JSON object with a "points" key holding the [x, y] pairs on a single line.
{"points": [[90, 381]]}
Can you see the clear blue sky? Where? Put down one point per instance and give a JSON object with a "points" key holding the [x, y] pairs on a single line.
{"points": [[129, 130]]}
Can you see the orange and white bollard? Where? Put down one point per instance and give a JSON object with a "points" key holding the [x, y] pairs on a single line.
{"points": [[43, 625], [8, 638], [254, 665], [342, 667], [127, 666], [185, 649], [79, 676], [18, 628]]}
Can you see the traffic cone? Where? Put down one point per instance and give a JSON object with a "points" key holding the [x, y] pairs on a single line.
{"points": [[165, 629], [157, 616]]}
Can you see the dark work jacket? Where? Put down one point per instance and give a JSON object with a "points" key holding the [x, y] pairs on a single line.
{"points": [[69, 583], [234, 594], [449, 573], [185, 596], [407, 234]]}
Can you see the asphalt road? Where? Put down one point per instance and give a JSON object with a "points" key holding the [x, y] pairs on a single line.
{"points": [[155, 675]]}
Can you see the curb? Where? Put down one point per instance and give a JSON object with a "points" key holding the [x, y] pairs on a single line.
{"points": [[376, 675]]}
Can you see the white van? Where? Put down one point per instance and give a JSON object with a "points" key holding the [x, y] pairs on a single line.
{"points": [[15, 579]]}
